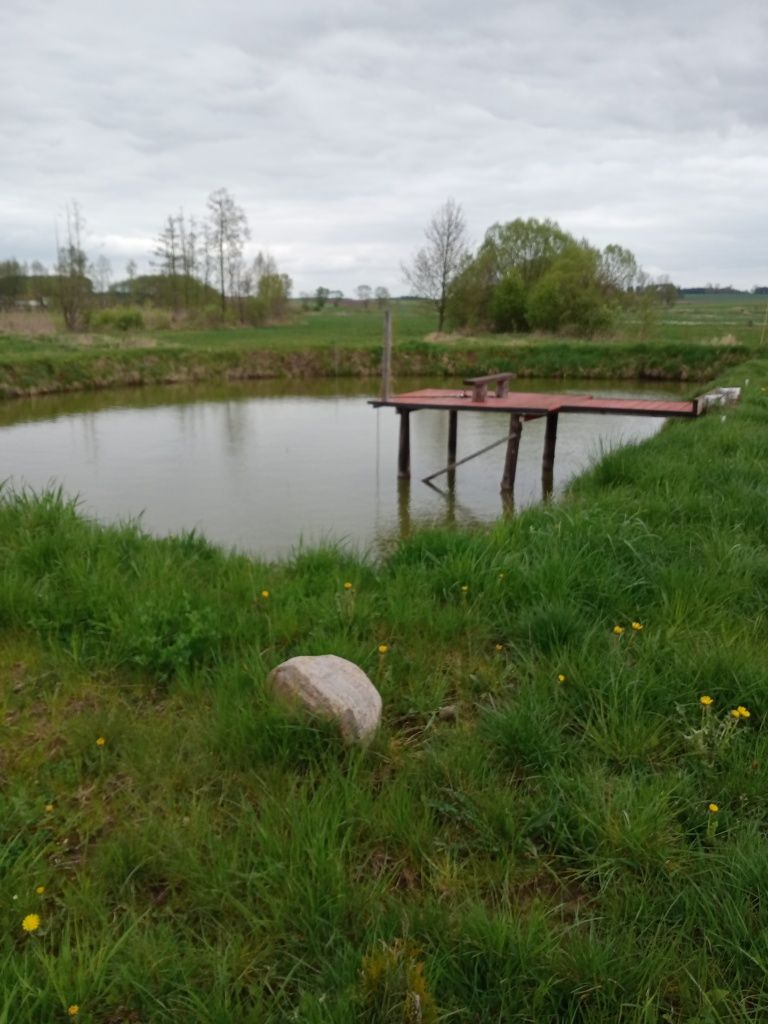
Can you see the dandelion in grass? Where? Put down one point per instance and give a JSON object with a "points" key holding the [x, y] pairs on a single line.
{"points": [[73, 1010], [706, 701], [734, 713], [561, 678], [712, 822], [383, 648], [265, 594], [31, 923], [499, 647], [637, 627], [101, 741], [618, 630], [48, 808], [743, 713], [348, 586], [40, 890], [464, 588]]}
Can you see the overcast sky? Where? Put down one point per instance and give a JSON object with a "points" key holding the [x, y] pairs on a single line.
{"points": [[341, 126]]}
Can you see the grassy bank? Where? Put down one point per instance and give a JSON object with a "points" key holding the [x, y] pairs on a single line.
{"points": [[348, 343], [543, 850], [89, 369]]}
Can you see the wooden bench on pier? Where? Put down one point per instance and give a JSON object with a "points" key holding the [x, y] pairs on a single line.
{"points": [[480, 385]]}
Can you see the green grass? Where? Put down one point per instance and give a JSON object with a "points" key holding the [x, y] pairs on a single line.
{"points": [[347, 342], [545, 855]]}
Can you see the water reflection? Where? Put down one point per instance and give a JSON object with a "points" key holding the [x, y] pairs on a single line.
{"points": [[263, 466]]}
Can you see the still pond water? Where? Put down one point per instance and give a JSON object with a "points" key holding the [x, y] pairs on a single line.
{"points": [[265, 466]]}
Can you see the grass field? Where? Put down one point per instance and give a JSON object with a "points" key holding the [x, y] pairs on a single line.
{"points": [[579, 838], [694, 340]]}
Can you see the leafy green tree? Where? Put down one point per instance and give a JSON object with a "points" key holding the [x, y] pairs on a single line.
{"points": [[619, 271], [569, 296], [470, 297], [529, 247], [508, 304], [12, 284]]}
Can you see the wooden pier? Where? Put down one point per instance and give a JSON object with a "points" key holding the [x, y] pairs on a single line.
{"points": [[521, 406]]}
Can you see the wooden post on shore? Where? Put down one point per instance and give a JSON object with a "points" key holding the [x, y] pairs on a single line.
{"points": [[386, 356], [513, 447], [548, 460], [404, 448]]}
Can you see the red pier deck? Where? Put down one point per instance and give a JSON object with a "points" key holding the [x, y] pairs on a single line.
{"points": [[519, 406], [530, 404]]}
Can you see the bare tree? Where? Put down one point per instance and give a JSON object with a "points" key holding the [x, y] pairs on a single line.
{"points": [[228, 232], [382, 297], [102, 277], [364, 292], [74, 289], [168, 256], [440, 261]]}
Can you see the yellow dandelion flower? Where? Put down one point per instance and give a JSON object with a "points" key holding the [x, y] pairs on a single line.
{"points": [[637, 626], [499, 647], [48, 808], [383, 648], [73, 1010], [561, 678], [735, 713], [40, 890], [31, 923], [618, 630], [464, 588], [706, 700], [101, 741], [713, 808], [743, 713], [265, 593], [347, 586]]}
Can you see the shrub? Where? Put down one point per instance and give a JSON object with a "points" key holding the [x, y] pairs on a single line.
{"points": [[121, 318]]}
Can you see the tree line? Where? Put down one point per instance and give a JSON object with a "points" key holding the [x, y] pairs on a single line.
{"points": [[197, 263], [527, 275]]}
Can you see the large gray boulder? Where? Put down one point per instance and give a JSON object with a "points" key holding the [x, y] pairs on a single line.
{"points": [[333, 688]]}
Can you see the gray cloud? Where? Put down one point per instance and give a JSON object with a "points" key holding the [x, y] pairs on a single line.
{"points": [[340, 127]]}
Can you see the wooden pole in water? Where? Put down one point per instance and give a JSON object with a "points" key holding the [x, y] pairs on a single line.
{"points": [[513, 447], [453, 430], [386, 357], [404, 448], [548, 460]]}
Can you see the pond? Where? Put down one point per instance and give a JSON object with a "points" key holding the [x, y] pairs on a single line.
{"points": [[265, 466]]}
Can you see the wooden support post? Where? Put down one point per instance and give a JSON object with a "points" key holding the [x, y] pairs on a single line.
{"points": [[404, 449], [386, 356], [548, 460], [453, 430], [453, 434], [513, 447]]}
